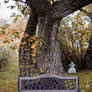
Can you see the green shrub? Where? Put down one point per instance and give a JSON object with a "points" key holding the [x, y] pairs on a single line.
{"points": [[3, 57]]}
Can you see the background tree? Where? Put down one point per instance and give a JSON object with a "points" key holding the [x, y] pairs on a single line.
{"points": [[10, 36], [74, 32], [88, 55]]}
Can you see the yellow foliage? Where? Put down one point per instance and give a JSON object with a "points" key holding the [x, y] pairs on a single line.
{"points": [[25, 35], [34, 54], [88, 8], [22, 43], [35, 46], [30, 40], [41, 70]]}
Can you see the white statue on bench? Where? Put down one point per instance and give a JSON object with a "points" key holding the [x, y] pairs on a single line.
{"points": [[72, 69]]}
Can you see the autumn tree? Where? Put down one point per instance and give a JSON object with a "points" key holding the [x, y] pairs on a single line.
{"points": [[74, 33], [88, 55], [46, 16]]}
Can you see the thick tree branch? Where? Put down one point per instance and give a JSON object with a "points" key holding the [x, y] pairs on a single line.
{"points": [[40, 7], [31, 25], [65, 7]]}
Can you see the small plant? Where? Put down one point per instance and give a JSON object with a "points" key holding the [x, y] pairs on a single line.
{"points": [[3, 57]]}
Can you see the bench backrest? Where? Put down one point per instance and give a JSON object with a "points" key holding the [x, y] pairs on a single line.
{"points": [[48, 83]]}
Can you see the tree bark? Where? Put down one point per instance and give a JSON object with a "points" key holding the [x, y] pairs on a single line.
{"points": [[66, 7], [25, 51], [49, 57]]}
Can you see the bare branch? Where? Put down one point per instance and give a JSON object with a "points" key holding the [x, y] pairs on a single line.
{"points": [[65, 7]]}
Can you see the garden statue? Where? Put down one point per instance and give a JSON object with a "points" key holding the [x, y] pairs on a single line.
{"points": [[72, 69]]}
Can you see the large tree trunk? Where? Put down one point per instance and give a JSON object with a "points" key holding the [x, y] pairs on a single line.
{"points": [[49, 57]]}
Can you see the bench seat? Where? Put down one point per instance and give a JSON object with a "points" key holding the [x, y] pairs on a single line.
{"points": [[48, 83]]}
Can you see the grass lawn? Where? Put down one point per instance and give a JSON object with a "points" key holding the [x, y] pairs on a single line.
{"points": [[84, 76], [9, 76]]}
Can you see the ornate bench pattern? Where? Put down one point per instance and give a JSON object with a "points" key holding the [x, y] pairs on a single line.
{"points": [[48, 82]]}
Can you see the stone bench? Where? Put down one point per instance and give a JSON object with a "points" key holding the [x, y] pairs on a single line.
{"points": [[48, 83]]}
